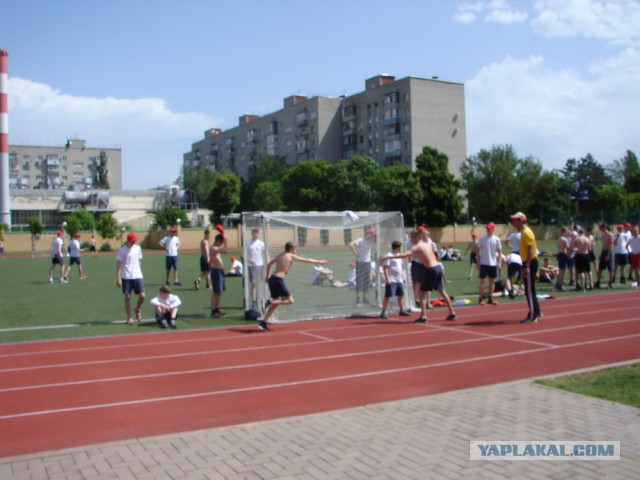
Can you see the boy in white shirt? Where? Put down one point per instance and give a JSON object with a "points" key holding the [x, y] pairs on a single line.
{"points": [[166, 306], [394, 280], [236, 269], [74, 257], [129, 275], [171, 243]]}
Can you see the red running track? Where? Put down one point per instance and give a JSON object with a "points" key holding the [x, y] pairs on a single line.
{"points": [[60, 394]]}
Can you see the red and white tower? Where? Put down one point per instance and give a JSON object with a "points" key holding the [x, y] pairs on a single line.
{"points": [[5, 209]]}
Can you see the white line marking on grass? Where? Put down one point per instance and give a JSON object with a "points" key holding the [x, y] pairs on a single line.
{"points": [[304, 382]]}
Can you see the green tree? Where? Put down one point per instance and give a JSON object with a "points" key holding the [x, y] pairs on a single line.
{"points": [[611, 197], [36, 228], [626, 172], [304, 187], [439, 199], [550, 199], [201, 182], [224, 196], [86, 220], [168, 217], [350, 186], [267, 196], [269, 170], [100, 170], [397, 188], [107, 226], [585, 175]]}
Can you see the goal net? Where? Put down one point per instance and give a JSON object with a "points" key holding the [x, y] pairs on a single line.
{"points": [[319, 293]]}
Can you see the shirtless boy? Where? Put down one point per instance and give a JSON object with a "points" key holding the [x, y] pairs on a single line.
{"points": [[433, 274], [217, 273], [606, 259], [280, 294]]}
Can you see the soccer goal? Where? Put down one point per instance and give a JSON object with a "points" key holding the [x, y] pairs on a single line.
{"points": [[332, 291]]}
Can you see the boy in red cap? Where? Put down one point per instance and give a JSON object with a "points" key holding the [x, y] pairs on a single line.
{"points": [[129, 275], [171, 243], [57, 256]]}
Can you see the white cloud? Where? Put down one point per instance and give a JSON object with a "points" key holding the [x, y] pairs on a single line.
{"points": [[555, 115], [615, 21], [496, 11], [152, 137]]}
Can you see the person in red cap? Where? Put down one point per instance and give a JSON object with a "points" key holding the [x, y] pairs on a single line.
{"points": [[489, 262], [171, 243], [129, 275], [529, 255], [236, 269], [74, 257], [57, 256]]}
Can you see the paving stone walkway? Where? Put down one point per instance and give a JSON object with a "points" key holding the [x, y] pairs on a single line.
{"points": [[420, 438]]}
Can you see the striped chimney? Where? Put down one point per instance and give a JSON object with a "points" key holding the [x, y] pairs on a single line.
{"points": [[5, 210]]}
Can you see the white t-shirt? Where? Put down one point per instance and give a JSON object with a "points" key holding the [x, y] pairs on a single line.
{"points": [[623, 239], [255, 252], [172, 301], [634, 245], [129, 259], [514, 240], [363, 250], [56, 247], [74, 248], [236, 266], [394, 269], [171, 244], [489, 247]]}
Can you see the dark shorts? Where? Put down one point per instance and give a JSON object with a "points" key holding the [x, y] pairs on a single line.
{"points": [[135, 285], [92, 248], [621, 259], [217, 280], [165, 316], [564, 261], [513, 270], [256, 273], [606, 261], [171, 262], [278, 288], [473, 258], [490, 271], [57, 260], [394, 289], [592, 256], [583, 264], [74, 260], [433, 279], [204, 265], [417, 271], [363, 276]]}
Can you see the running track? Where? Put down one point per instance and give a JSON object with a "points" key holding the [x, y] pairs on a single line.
{"points": [[60, 394]]}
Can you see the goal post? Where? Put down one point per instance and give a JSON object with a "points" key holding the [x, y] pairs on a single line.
{"points": [[320, 293]]}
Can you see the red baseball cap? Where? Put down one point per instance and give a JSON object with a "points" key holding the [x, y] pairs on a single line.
{"points": [[491, 225], [619, 226], [173, 230], [77, 235], [627, 225], [132, 237], [60, 233], [421, 228], [233, 258]]}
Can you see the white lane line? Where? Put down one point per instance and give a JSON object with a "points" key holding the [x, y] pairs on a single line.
{"points": [[304, 382]]}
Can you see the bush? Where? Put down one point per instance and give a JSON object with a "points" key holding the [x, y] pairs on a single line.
{"points": [[106, 247], [85, 245]]}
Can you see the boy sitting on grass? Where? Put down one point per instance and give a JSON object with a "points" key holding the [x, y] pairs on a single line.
{"points": [[166, 307]]}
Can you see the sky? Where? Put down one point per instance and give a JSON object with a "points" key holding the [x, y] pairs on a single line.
{"points": [[556, 79]]}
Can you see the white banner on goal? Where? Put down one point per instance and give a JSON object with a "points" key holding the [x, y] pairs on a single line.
{"points": [[331, 292]]}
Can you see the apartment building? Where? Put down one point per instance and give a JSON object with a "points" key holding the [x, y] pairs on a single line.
{"points": [[390, 121], [58, 167]]}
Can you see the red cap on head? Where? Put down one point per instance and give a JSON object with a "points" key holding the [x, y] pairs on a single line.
{"points": [[491, 225], [519, 216], [352, 264], [77, 235], [627, 225], [132, 237], [421, 228], [233, 259], [619, 226], [173, 230], [60, 233]]}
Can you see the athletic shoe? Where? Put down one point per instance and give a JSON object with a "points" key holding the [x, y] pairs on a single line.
{"points": [[167, 283], [451, 317], [512, 294], [596, 285], [430, 307], [560, 288], [529, 320], [130, 321], [481, 302], [384, 315], [62, 280], [421, 320], [609, 286], [164, 324], [177, 284], [262, 325], [196, 285], [623, 280], [172, 324], [138, 314], [51, 280], [493, 302], [404, 313]]}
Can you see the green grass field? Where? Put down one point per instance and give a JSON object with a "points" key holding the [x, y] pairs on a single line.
{"points": [[33, 309], [620, 384]]}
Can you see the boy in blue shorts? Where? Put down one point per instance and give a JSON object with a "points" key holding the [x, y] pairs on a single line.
{"points": [[280, 294], [394, 280]]}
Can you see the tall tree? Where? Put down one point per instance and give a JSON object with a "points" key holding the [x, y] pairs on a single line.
{"points": [[440, 202], [269, 170], [396, 188], [100, 170], [224, 196], [626, 172], [350, 184], [585, 175], [306, 186]]}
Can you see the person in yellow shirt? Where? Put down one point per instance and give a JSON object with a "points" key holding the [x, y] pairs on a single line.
{"points": [[529, 255]]}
